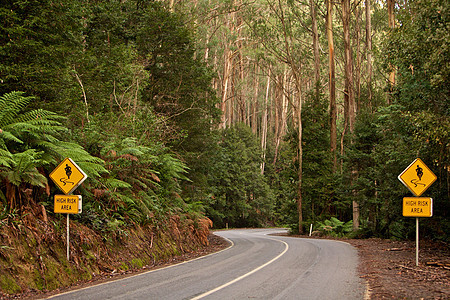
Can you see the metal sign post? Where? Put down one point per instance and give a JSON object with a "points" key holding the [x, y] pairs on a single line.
{"points": [[68, 204], [67, 237], [417, 242]]}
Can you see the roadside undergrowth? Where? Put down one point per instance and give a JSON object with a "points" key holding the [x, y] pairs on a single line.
{"points": [[33, 251]]}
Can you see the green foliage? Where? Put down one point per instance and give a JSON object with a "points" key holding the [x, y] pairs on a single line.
{"points": [[36, 38], [39, 129], [19, 127], [419, 49], [29, 147], [334, 227], [239, 194], [417, 124], [18, 131], [24, 169], [179, 85], [139, 113], [321, 195], [103, 65]]}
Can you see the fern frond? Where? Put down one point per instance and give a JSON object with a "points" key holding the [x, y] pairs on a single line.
{"points": [[24, 168], [36, 128], [35, 178], [11, 105], [137, 182], [6, 158], [112, 183], [56, 151], [174, 167], [92, 169], [6, 135], [38, 114]]}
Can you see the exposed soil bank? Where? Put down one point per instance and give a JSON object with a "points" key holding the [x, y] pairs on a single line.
{"points": [[33, 253]]}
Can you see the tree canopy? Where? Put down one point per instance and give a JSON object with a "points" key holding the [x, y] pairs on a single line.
{"points": [[251, 113]]}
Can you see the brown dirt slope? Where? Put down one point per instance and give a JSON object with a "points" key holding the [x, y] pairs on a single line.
{"points": [[33, 252]]}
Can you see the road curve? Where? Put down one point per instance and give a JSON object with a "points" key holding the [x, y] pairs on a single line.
{"points": [[256, 266]]}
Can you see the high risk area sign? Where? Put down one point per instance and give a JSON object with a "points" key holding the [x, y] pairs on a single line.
{"points": [[417, 207], [417, 177], [68, 176], [67, 204]]}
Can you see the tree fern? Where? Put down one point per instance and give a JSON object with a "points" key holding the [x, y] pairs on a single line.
{"points": [[30, 140], [24, 169], [174, 167], [56, 150], [18, 126], [10, 106]]}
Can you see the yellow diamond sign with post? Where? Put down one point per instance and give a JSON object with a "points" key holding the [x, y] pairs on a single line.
{"points": [[417, 177], [68, 176]]}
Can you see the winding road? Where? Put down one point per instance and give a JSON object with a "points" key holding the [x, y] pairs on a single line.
{"points": [[257, 265]]}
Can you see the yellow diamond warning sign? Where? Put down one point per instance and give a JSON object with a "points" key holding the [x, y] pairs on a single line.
{"points": [[68, 176], [417, 177], [417, 207], [67, 204]]}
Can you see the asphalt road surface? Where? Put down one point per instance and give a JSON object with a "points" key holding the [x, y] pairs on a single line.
{"points": [[257, 265]]}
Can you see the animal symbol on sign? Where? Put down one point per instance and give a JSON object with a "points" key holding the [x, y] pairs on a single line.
{"points": [[419, 172], [68, 170]]}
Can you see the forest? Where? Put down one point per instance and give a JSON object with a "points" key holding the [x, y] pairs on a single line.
{"points": [[250, 113]]}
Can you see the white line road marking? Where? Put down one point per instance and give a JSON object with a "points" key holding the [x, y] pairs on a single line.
{"points": [[143, 273], [245, 275]]}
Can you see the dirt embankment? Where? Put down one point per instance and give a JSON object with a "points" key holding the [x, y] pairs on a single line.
{"points": [[33, 252]]}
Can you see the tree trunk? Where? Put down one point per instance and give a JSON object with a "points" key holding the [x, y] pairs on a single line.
{"points": [[298, 113], [332, 85], [254, 118], [264, 125], [282, 113], [278, 92], [300, 165], [369, 52], [226, 97], [358, 59], [315, 38], [285, 103], [349, 100], [240, 99], [391, 21], [225, 83]]}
